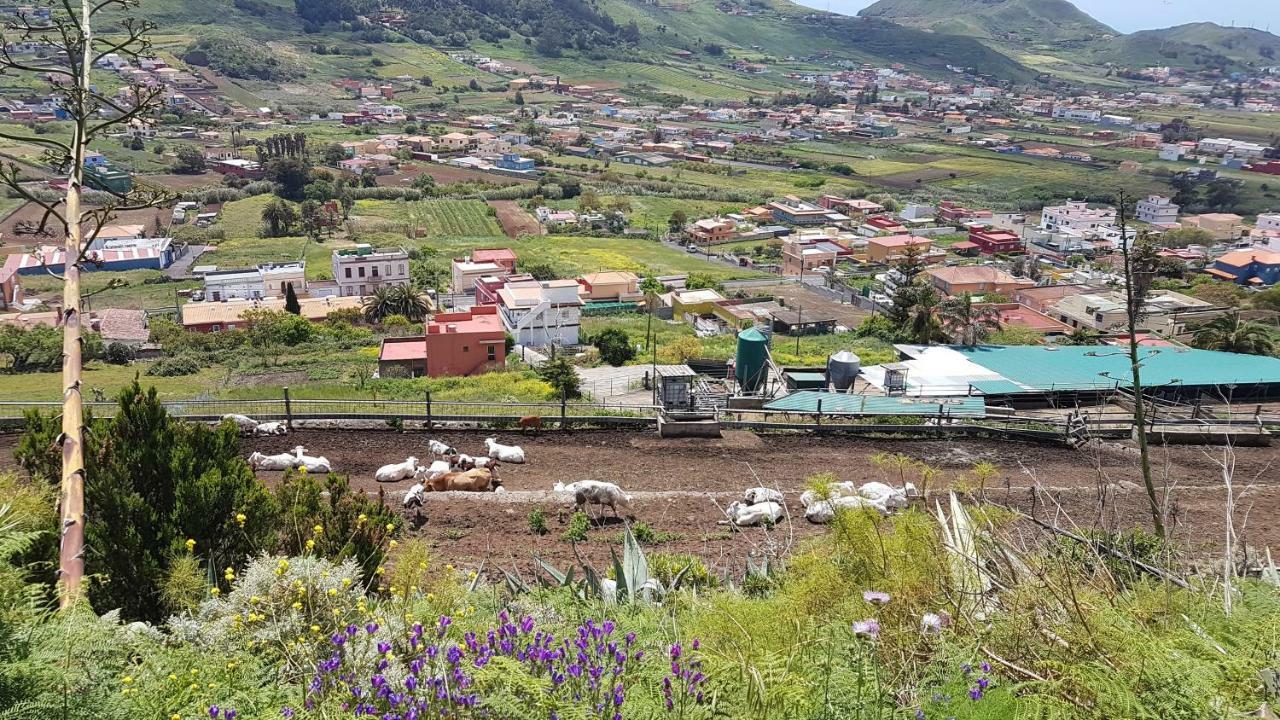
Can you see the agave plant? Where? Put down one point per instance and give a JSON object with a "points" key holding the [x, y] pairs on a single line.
{"points": [[631, 583]]}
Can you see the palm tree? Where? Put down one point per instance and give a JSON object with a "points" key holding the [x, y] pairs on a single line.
{"points": [[1080, 336], [968, 322], [651, 289], [1231, 334], [921, 314], [400, 300]]}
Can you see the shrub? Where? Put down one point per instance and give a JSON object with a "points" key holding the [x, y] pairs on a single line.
{"points": [[577, 530], [537, 521], [174, 367], [692, 571], [117, 353], [614, 346]]}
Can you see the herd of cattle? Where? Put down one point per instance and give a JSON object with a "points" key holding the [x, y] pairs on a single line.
{"points": [[451, 470]]}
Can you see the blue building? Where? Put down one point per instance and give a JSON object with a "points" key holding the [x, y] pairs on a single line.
{"points": [[513, 161], [1255, 268], [95, 159]]}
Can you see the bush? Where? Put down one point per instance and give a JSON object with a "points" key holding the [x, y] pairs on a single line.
{"points": [[577, 530], [117, 353], [174, 367], [537, 521], [614, 346]]}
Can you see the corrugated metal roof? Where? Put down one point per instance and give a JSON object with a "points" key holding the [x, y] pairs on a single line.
{"points": [[842, 404]]}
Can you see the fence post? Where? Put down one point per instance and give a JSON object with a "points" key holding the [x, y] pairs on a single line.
{"points": [[564, 407], [430, 422], [819, 419], [288, 410]]}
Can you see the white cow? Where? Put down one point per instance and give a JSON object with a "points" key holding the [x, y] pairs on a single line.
{"points": [[398, 471], [505, 453], [244, 423], [435, 447], [427, 473], [414, 497], [310, 463], [271, 428], [757, 495], [744, 515], [283, 461]]}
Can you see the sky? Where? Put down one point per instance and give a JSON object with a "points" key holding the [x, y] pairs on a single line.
{"points": [[1130, 15]]}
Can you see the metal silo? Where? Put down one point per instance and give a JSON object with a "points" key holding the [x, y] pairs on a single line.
{"points": [[751, 366], [842, 370]]}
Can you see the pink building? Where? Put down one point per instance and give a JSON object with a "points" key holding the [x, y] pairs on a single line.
{"points": [[458, 343]]}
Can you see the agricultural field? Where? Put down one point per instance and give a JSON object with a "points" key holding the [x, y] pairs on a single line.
{"points": [[434, 218]]}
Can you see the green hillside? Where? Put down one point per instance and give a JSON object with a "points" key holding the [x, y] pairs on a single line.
{"points": [[1024, 21], [1244, 45]]}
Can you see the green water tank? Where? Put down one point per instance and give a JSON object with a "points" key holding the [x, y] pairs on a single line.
{"points": [[751, 367]]}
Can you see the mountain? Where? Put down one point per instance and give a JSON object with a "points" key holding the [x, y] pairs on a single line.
{"points": [[1243, 45], [1019, 21]]}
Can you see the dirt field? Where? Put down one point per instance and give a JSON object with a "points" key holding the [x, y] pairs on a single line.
{"points": [[444, 174], [678, 484], [205, 179], [515, 220], [32, 213]]}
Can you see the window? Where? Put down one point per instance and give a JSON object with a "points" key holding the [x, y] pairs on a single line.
{"points": [[493, 353], [361, 271], [401, 269], [389, 269], [348, 272], [374, 270], [466, 348], [216, 327]]}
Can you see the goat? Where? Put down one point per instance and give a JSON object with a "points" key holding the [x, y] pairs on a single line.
{"points": [[744, 515], [886, 497], [398, 471], [432, 471], [271, 428], [435, 447], [822, 512], [469, 481], [309, 462], [245, 424], [596, 492], [414, 497], [834, 490], [505, 453], [530, 421], [283, 461], [756, 495]]}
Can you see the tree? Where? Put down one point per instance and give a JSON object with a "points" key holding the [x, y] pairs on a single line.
{"points": [[519, 99], [39, 348], [1184, 237], [1230, 333], [93, 111], [677, 221], [291, 304], [922, 316], [967, 322], [190, 161], [560, 374], [1080, 336], [291, 174], [334, 153], [1268, 299], [278, 218], [275, 328], [404, 300], [614, 346], [539, 269], [1223, 194], [1220, 293], [651, 289]]}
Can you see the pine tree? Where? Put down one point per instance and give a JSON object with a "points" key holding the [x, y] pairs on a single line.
{"points": [[291, 303]]}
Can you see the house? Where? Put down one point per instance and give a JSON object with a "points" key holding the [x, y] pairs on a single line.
{"points": [[516, 163], [800, 322], [795, 211], [10, 288], [458, 343], [1220, 226], [229, 315], [271, 280], [956, 213], [1043, 297], [249, 169], [882, 225], [108, 179], [454, 141], [694, 302], [891, 248], [616, 286], [643, 159], [975, 280], [93, 158], [800, 256], [541, 313], [1076, 215], [1158, 210], [1164, 311], [993, 241], [856, 207], [362, 270], [712, 231], [465, 272], [143, 254], [123, 326], [504, 258], [1021, 316], [1248, 267], [1268, 222]]}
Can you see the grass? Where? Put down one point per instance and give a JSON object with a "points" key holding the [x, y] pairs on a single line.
{"points": [[142, 289], [436, 217]]}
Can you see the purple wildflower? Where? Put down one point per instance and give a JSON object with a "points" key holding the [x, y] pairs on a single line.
{"points": [[869, 628], [876, 597], [214, 711]]}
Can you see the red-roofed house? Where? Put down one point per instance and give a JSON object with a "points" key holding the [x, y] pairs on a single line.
{"points": [[503, 257], [991, 241], [890, 248], [1015, 315], [975, 280], [10, 288], [1248, 267]]}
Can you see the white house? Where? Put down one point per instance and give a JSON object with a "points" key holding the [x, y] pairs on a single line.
{"points": [[1076, 215], [541, 313], [1157, 210]]}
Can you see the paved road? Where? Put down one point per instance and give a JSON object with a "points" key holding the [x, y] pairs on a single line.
{"points": [[181, 268]]}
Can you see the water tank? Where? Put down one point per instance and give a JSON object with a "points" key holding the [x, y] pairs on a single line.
{"points": [[751, 365], [842, 369]]}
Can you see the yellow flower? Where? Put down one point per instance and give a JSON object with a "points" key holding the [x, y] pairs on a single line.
{"points": [[362, 519], [193, 686], [302, 470], [346, 582], [333, 592], [172, 676], [231, 665], [380, 570], [126, 679], [229, 574], [175, 716], [311, 544], [240, 518], [297, 606], [254, 600], [392, 544], [317, 529], [449, 567], [391, 527], [191, 545], [315, 628], [195, 671], [431, 596], [215, 592]]}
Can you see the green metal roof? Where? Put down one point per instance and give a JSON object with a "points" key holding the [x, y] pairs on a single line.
{"points": [[997, 387], [841, 404], [1100, 367]]}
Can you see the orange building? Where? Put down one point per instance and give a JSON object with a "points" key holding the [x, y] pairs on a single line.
{"points": [[465, 343], [891, 248]]}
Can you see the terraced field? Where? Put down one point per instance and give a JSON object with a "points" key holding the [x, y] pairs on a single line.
{"points": [[435, 217]]}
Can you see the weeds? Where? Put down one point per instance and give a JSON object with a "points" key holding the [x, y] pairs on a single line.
{"points": [[537, 521], [577, 530]]}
